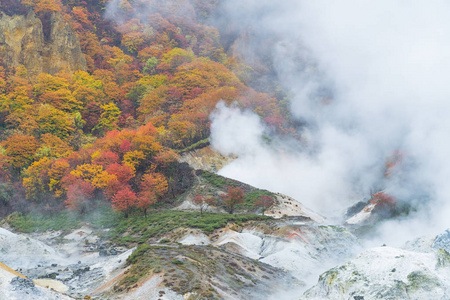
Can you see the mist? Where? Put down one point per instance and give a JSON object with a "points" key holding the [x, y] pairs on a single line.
{"points": [[120, 11], [384, 66], [365, 79]]}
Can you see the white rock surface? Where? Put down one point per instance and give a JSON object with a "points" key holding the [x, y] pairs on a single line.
{"points": [[25, 252], [195, 238], [362, 216], [303, 250], [387, 273], [151, 289], [16, 292], [287, 206]]}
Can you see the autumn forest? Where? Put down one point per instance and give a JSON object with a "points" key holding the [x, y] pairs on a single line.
{"points": [[112, 131]]}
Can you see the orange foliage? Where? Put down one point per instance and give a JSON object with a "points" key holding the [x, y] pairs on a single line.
{"points": [[94, 174], [152, 187], [58, 170], [20, 149], [79, 195], [392, 162], [35, 179], [148, 92], [44, 6], [264, 202], [124, 200], [382, 199]]}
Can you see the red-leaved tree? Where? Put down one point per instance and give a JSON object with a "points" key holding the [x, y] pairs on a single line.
{"points": [[234, 197], [124, 200], [152, 188], [79, 195], [204, 202], [264, 202]]}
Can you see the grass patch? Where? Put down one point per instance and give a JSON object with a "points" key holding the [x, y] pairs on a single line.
{"points": [[103, 217], [139, 229], [199, 144], [252, 197], [134, 229], [214, 179], [33, 222], [140, 250]]}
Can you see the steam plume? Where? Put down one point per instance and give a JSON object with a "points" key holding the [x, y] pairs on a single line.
{"points": [[385, 65]]}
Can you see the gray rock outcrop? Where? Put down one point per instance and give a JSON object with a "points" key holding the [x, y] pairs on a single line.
{"points": [[23, 42]]}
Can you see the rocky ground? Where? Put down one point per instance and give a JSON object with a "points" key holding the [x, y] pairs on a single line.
{"points": [[270, 259], [73, 264], [276, 258], [243, 261], [388, 273]]}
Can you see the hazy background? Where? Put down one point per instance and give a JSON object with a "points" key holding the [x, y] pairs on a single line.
{"points": [[383, 67], [365, 79]]}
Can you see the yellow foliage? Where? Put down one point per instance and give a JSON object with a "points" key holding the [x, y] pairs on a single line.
{"points": [[58, 170], [95, 154], [94, 174], [133, 159], [34, 181]]}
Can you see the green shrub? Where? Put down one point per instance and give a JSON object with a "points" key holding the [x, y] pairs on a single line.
{"points": [[252, 197], [140, 250], [214, 179], [134, 229]]}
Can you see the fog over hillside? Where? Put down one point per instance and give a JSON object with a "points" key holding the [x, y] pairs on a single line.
{"points": [[384, 68], [224, 149]]}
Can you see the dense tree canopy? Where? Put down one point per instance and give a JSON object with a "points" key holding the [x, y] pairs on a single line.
{"points": [[113, 133]]}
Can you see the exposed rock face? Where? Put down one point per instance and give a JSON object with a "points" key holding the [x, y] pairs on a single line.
{"points": [[206, 159], [387, 273], [442, 241], [22, 42], [303, 250]]}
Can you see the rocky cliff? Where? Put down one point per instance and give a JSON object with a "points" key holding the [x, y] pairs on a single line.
{"points": [[23, 42]]}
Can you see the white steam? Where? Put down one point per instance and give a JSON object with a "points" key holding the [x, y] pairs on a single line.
{"points": [[387, 65], [120, 10]]}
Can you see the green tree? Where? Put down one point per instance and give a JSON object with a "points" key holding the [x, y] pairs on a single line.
{"points": [[150, 65], [108, 119]]}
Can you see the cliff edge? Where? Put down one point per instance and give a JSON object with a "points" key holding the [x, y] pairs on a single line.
{"points": [[23, 42]]}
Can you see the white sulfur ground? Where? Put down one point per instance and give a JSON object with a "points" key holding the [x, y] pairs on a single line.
{"points": [[305, 254], [362, 216], [35, 293], [287, 206], [380, 271], [25, 252]]}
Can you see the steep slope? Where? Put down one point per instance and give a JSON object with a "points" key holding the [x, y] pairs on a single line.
{"points": [[301, 249], [200, 272], [23, 42]]}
